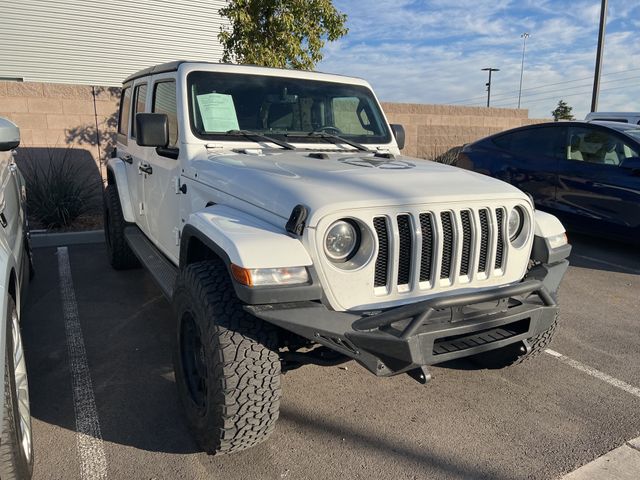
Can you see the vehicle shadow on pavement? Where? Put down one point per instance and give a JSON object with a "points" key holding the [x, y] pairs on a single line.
{"points": [[603, 254], [424, 459], [128, 330]]}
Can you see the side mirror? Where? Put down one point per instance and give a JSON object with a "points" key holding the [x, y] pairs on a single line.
{"points": [[152, 129], [398, 132], [9, 135]]}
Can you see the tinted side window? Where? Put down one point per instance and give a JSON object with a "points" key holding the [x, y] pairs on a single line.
{"points": [[503, 141], [125, 109], [164, 101], [598, 146], [534, 142], [140, 97]]}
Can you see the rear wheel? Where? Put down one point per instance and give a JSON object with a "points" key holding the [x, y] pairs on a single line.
{"points": [[121, 257], [16, 446], [226, 362]]}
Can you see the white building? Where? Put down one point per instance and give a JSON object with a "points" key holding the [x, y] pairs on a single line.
{"points": [[88, 42]]}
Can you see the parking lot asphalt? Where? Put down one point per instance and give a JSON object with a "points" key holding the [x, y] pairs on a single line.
{"points": [[539, 420]]}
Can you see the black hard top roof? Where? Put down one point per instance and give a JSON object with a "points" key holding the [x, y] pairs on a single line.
{"points": [[161, 68]]}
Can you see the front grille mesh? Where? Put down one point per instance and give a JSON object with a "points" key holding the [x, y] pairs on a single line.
{"points": [[426, 261], [448, 245], [382, 262], [484, 240], [500, 246], [465, 217], [404, 260]]}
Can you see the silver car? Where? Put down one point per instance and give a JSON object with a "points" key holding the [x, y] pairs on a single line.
{"points": [[16, 446]]}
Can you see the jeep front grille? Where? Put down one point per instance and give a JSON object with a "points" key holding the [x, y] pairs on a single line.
{"points": [[380, 224], [404, 260], [500, 245], [437, 249], [426, 262]]}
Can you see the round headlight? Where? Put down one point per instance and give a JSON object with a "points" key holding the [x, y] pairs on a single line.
{"points": [[341, 241], [516, 222]]}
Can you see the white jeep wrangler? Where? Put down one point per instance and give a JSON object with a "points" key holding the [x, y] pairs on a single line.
{"points": [[277, 215]]}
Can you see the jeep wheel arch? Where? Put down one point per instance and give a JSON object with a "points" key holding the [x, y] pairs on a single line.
{"points": [[116, 174], [243, 240]]}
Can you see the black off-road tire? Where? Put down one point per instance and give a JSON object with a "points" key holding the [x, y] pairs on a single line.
{"points": [[226, 362], [121, 257], [514, 354], [14, 464]]}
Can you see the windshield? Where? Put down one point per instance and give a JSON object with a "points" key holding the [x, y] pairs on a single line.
{"points": [[282, 108]]}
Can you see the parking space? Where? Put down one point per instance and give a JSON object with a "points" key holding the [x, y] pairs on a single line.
{"points": [[538, 420]]}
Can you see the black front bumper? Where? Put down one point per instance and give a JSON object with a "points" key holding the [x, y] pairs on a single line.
{"points": [[430, 331]]}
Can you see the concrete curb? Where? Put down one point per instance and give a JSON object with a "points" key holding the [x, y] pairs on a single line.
{"points": [[41, 240], [622, 463]]}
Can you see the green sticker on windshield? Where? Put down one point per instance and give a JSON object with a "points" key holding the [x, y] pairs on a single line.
{"points": [[218, 112]]}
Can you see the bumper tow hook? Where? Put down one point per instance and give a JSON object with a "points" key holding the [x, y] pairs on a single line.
{"points": [[421, 375]]}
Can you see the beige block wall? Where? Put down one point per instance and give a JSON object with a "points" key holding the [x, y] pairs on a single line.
{"points": [[57, 119], [432, 130], [60, 117]]}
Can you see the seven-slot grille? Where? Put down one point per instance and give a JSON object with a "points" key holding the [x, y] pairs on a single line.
{"points": [[460, 245]]}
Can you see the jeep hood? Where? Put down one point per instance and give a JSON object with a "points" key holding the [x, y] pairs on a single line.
{"points": [[278, 180]]}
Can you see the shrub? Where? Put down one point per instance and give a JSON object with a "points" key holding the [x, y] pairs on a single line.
{"points": [[58, 191]]}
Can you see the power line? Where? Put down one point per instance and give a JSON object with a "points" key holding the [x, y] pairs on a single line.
{"points": [[544, 86], [565, 90], [555, 97]]}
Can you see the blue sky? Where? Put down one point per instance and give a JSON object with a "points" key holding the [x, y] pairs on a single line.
{"points": [[431, 51]]}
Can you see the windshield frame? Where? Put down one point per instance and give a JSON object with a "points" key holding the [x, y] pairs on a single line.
{"points": [[300, 137]]}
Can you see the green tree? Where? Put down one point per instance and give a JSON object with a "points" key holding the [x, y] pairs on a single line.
{"points": [[562, 111], [280, 33]]}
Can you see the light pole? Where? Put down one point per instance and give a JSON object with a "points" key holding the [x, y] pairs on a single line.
{"points": [[524, 37], [489, 69], [596, 77]]}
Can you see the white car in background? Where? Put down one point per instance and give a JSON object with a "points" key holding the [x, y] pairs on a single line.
{"points": [[624, 117], [16, 446]]}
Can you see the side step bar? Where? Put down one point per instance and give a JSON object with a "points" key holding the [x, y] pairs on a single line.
{"points": [[161, 269]]}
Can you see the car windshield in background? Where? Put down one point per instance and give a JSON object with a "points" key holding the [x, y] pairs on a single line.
{"points": [[282, 108]]}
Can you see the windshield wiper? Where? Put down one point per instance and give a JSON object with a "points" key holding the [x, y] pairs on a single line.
{"points": [[336, 139], [249, 134]]}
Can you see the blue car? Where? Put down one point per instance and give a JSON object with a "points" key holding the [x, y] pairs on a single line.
{"points": [[587, 174]]}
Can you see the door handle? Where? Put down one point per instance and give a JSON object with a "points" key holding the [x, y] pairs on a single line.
{"points": [[145, 168], [127, 158]]}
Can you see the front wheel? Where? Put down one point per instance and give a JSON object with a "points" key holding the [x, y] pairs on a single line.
{"points": [[16, 445], [226, 362]]}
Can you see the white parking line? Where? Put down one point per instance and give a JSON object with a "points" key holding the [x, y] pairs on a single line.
{"points": [[595, 373], [93, 461]]}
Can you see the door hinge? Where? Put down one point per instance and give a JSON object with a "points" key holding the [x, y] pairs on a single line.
{"points": [[141, 208], [178, 186], [177, 234]]}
